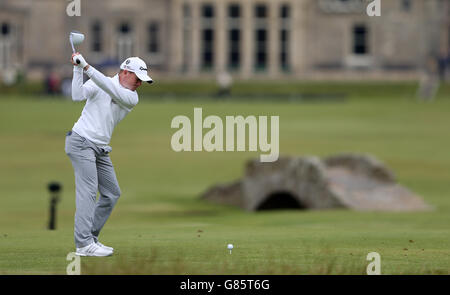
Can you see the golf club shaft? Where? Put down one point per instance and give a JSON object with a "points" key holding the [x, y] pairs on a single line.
{"points": [[73, 49]]}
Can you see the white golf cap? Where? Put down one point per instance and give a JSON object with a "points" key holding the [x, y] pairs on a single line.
{"points": [[137, 66]]}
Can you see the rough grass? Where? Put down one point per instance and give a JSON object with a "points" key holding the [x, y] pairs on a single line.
{"points": [[225, 264]]}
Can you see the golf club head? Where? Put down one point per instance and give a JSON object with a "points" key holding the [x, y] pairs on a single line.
{"points": [[76, 38]]}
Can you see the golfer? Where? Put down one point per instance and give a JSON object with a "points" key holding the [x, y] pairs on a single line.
{"points": [[108, 101]]}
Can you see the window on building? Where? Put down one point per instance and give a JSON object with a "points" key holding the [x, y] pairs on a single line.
{"points": [[284, 36], [234, 36], [406, 5], [284, 41], [234, 11], [234, 58], [260, 11], [207, 36], [6, 29], [284, 11], [153, 37], [186, 11], [261, 37], [187, 37], [96, 40], [261, 49], [360, 40], [125, 46], [207, 11], [5, 45], [207, 54], [124, 28]]}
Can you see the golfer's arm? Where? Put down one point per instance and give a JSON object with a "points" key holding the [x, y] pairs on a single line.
{"points": [[77, 85], [118, 95]]}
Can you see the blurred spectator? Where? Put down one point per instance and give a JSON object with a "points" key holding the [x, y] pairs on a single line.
{"points": [[52, 83], [20, 76], [224, 81], [443, 61], [9, 76], [429, 82]]}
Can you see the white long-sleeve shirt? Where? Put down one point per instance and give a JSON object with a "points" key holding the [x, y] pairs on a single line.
{"points": [[108, 102]]}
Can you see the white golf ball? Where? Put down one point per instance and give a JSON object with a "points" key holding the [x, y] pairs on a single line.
{"points": [[230, 246]]}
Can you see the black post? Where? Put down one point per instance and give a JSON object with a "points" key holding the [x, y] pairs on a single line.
{"points": [[54, 188]]}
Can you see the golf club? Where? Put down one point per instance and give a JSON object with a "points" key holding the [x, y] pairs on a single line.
{"points": [[76, 38]]}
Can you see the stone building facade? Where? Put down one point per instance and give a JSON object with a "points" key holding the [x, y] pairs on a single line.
{"points": [[305, 39]]}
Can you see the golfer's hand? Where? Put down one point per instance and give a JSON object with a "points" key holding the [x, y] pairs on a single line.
{"points": [[77, 56]]}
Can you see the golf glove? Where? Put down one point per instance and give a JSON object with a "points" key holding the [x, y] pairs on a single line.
{"points": [[82, 63]]}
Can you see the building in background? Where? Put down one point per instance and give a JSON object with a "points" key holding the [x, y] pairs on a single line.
{"points": [[307, 39]]}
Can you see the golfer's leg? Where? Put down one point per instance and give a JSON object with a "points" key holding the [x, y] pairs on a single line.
{"points": [[109, 193], [83, 162]]}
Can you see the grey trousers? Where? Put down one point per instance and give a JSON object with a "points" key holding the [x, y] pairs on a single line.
{"points": [[93, 172]]}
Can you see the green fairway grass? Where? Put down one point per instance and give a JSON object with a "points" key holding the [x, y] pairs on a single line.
{"points": [[161, 226]]}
